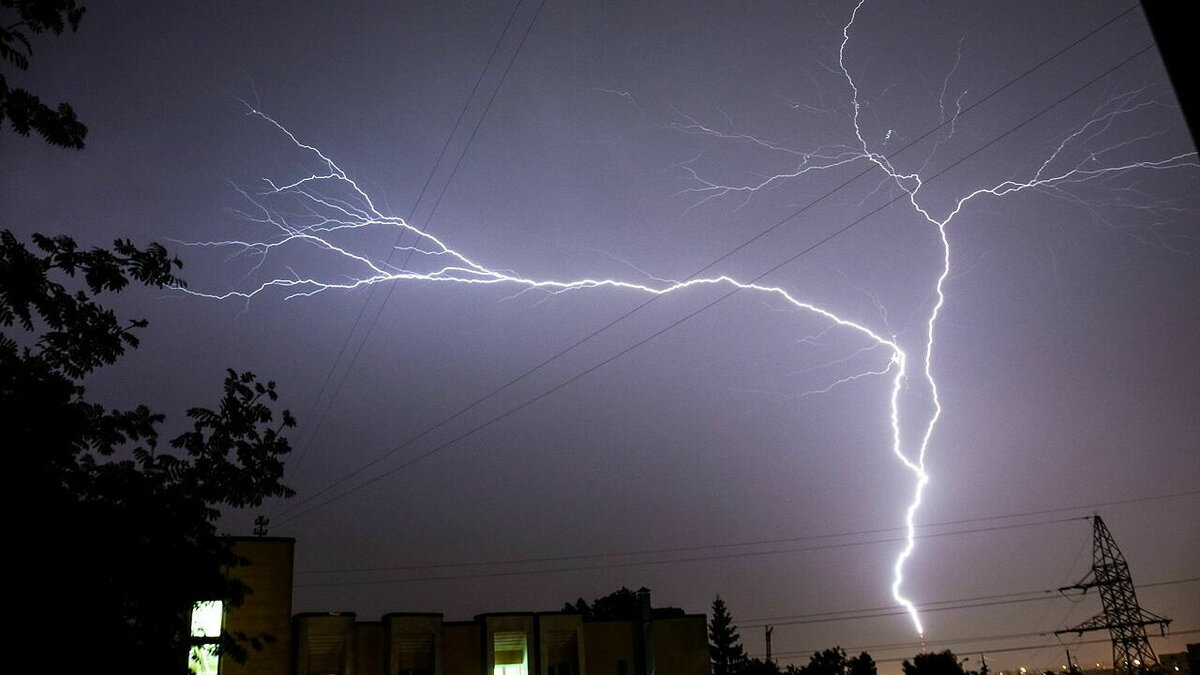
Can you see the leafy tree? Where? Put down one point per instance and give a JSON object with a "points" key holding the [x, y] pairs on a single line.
{"points": [[122, 534], [826, 662], [724, 644], [580, 606], [759, 667], [118, 538], [933, 663], [862, 664], [20, 21], [834, 662], [622, 604]]}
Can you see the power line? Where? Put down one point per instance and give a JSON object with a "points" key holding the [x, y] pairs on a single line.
{"points": [[445, 187], [1047, 594], [673, 561], [1052, 645], [974, 639], [1001, 596], [909, 645], [398, 568], [727, 545], [416, 205], [731, 252], [832, 614], [685, 318], [738, 248]]}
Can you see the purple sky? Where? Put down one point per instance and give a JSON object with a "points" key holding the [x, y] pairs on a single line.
{"points": [[1065, 353]]}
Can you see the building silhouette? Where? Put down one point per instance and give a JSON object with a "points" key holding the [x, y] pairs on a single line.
{"points": [[655, 641]]}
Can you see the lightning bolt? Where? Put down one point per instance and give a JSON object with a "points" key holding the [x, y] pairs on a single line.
{"points": [[317, 217]]}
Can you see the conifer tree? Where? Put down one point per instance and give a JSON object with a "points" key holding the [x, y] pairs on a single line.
{"points": [[724, 644]]}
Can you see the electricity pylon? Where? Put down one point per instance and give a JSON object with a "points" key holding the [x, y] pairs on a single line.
{"points": [[1122, 617]]}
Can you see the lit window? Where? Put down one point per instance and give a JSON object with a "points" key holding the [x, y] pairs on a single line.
{"points": [[511, 657], [206, 635]]}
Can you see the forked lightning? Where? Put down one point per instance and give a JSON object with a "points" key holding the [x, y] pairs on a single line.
{"points": [[433, 260]]}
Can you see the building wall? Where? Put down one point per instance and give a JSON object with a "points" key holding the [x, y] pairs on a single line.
{"points": [[681, 645], [610, 648], [369, 654], [268, 606], [561, 646], [500, 646], [548, 643], [324, 643], [1174, 663], [462, 648], [414, 642]]}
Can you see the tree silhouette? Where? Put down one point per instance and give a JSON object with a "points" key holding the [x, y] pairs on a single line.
{"points": [[20, 22], [724, 644], [862, 664], [760, 667], [834, 662], [118, 538], [933, 663], [122, 534], [622, 604], [826, 662]]}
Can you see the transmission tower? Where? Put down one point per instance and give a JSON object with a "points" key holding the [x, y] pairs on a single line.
{"points": [[1122, 617]]}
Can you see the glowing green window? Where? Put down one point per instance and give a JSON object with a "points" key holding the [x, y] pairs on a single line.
{"points": [[511, 657], [203, 658]]}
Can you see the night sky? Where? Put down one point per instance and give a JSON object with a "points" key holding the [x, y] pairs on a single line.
{"points": [[710, 459]]}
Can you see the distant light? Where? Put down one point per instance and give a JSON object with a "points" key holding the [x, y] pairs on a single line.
{"points": [[1137, 662], [1023, 670]]}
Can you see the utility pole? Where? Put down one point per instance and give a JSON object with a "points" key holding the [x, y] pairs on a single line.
{"points": [[1123, 617], [770, 629]]}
